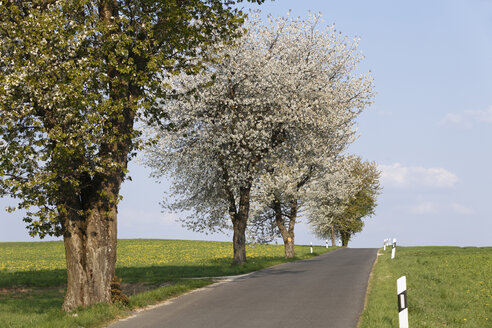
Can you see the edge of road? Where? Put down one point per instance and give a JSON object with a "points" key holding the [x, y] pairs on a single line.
{"points": [[369, 286]]}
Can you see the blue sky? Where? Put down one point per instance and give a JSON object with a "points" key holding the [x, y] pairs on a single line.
{"points": [[430, 128]]}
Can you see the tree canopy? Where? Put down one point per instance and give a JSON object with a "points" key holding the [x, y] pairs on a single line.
{"points": [[278, 104], [74, 77]]}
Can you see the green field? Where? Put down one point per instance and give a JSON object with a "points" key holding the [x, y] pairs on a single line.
{"points": [[446, 287], [33, 276]]}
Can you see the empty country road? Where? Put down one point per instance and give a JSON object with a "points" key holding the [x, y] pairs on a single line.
{"points": [[325, 291]]}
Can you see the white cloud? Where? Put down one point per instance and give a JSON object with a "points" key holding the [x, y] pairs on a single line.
{"points": [[461, 209], [429, 207], [424, 208], [416, 176], [468, 118]]}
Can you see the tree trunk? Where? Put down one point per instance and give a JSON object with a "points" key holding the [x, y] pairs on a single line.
{"points": [[239, 241], [345, 236], [90, 250], [286, 233], [333, 239], [239, 222], [289, 248]]}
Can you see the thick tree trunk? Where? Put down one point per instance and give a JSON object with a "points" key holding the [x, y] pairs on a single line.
{"points": [[90, 249], [239, 222], [239, 241], [289, 248], [333, 239], [287, 233]]}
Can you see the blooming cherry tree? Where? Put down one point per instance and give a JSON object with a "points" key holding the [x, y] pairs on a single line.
{"points": [[264, 120]]}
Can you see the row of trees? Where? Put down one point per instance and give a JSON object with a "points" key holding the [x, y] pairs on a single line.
{"points": [[248, 124], [260, 135]]}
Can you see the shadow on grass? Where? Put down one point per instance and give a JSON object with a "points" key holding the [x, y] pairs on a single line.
{"points": [[35, 301], [147, 274], [213, 268], [37, 278]]}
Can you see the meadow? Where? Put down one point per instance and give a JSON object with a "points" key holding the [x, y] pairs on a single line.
{"points": [[33, 276], [446, 287]]}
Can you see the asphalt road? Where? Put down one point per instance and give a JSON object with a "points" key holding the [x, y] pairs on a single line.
{"points": [[325, 291]]}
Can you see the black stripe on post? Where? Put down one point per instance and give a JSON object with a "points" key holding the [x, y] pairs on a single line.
{"points": [[402, 301]]}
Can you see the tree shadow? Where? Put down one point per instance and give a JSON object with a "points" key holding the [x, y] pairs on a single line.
{"points": [[35, 301], [148, 274]]}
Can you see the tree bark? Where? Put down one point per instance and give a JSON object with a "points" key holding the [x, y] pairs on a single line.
{"points": [[90, 235], [289, 248], [239, 241], [90, 250], [239, 222], [333, 239], [287, 233]]}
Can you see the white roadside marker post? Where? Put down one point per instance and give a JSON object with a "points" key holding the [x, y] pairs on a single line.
{"points": [[393, 250], [311, 247], [401, 290], [326, 243]]}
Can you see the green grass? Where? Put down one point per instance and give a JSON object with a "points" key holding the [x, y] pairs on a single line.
{"points": [[446, 287], [33, 276], [42, 307]]}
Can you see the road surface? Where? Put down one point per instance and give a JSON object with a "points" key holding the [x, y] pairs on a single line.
{"points": [[325, 291]]}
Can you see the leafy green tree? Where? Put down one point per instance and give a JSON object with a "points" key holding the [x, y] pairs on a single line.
{"points": [[337, 207], [75, 76], [362, 204]]}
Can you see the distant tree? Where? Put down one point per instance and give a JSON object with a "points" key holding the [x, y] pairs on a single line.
{"points": [[278, 213], [341, 216], [363, 204], [74, 78], [329, 197], [255, 122]]}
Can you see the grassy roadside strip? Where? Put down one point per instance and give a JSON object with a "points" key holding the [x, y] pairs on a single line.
{"points": [[446, 287], [32, 278], [42, 309]]}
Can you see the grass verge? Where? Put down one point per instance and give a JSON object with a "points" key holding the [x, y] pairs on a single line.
{"points": [[33, 278], [42, 307], [446, 287]]}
